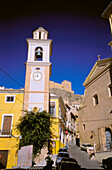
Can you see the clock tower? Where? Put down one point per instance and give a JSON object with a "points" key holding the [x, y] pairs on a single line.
{"points": [[38, 71]]}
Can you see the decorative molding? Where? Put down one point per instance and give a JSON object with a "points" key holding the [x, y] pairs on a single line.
{"points": [[90, 78], [38, 63]]}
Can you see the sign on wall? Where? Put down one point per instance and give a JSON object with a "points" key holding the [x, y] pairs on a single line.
{"points": [[25, 156]]}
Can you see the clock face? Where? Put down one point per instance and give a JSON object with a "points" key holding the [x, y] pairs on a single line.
{"points": [[37, 75]]}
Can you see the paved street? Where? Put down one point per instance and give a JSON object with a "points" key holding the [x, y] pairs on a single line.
{"points": [[83, 158]]}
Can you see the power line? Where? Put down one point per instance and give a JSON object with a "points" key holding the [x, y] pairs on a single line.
{"points": [[11, 77], [16, 82], [17, 98]]}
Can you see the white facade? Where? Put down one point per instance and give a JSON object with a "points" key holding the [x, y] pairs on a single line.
{"points": [[38, 70]]}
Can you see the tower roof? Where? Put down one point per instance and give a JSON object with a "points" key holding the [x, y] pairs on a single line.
{"points": [[40, 33], [40, 29]]}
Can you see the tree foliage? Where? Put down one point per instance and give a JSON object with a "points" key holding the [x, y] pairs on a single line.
{"points": [[35, 130]]}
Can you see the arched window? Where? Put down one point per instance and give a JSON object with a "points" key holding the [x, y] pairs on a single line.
{"points": [[35, 109], [108, 137], [95, 99], [38, 54]]}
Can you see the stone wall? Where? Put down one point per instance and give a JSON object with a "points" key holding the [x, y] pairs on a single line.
{"points": [[66, 85], [67, 96], [95, 117]]}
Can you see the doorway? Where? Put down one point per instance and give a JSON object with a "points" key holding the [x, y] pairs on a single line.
{"points": [[3, 158], [108, 138]]}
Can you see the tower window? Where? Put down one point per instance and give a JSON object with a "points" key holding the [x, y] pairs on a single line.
{"points": [[38, 54], [95, 99], [39, 35], [84, 127], [110, 90]]}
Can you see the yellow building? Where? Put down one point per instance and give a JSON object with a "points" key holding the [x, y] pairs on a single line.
{"points": [[58, 112], [11, 105], [35, 95]]}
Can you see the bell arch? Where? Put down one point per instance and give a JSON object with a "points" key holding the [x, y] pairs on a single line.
{"points": [[38, 54]]}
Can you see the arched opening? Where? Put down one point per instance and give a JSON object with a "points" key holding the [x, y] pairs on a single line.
{"points": [[108, 136], [95, 99], [38, 54], [35, 109]]}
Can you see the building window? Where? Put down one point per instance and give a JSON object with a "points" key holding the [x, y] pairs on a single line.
{"points": [[9, 99], [52, 109], [95, 99], [110, 90], [111, 75], [6, 125], [84, 127], [38, 54]]}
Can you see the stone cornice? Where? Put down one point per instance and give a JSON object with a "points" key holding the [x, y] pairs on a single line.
{"points": [[97, 75], [26, 91], [39, 42], [98, 63], [38, 63], [110, 44], [12, 91], [107, 11]]}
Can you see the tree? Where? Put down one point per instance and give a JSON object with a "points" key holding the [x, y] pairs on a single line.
{"points": [[35, 130]]}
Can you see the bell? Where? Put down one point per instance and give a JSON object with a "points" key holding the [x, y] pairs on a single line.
{"points": [[38, 53]]}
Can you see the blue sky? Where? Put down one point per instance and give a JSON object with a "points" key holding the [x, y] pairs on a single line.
{"points": [[78, 32]]}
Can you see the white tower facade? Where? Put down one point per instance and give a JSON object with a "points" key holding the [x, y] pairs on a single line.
{"points": [[38, 71]]}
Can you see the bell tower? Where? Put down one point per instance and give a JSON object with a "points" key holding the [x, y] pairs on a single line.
{"points": [[38, 71]]}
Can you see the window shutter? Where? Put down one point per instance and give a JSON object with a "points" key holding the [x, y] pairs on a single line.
{"points": [[7, 125]]}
